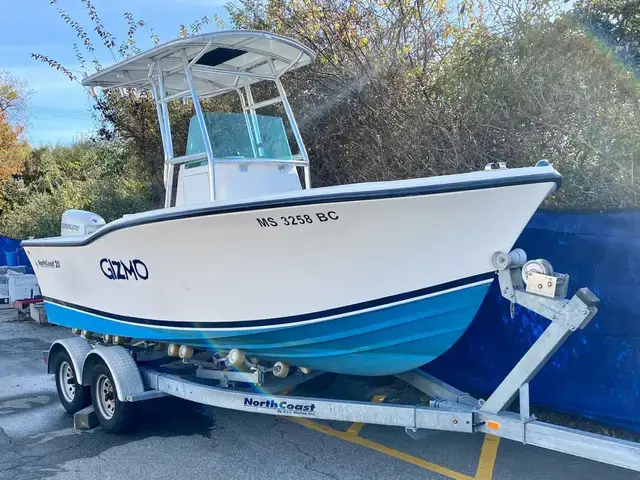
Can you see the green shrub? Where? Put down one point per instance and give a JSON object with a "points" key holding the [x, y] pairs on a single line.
{"points": [[87, 175]]}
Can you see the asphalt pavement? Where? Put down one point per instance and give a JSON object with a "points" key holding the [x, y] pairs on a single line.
{"points": [[176, 438]]}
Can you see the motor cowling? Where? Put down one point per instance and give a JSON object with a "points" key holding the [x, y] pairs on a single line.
{"points": [[79, 223]]}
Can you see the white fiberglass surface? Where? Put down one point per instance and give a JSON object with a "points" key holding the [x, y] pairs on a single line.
{"points": [[237, 266], [460, 178], [259, 49], [457, 179]]}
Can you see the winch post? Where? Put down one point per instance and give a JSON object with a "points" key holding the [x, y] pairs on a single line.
{"points": [[566, 316], [523, 395]]}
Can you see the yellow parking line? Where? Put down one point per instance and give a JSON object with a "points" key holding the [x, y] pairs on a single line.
{"points": [[486, 462], [355, 427], [487, 459], [349, 437]]}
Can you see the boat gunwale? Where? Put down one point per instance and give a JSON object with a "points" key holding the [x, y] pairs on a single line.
{"points": [[340, 196]]}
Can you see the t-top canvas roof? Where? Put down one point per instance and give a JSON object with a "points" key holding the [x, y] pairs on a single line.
{"points": [[219, 61]]}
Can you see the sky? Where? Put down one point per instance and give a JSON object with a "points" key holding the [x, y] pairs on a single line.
{"points": [[59, 109]]}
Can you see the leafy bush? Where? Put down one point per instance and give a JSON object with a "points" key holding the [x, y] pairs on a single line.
{"points": [[405, 89], [88, 175], [401, 89], [517, 91]]}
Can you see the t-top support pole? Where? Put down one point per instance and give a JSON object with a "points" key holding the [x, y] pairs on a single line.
{"points": [[165, 150], [252, 137], [166, 133], [254, 119], [203, 127], [296, 132]]}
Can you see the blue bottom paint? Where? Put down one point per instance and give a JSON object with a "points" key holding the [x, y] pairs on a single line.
{"points": [[385, 341]]}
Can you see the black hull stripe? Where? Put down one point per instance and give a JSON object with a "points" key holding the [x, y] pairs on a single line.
{"points": [[338, 197], [280, 321]]}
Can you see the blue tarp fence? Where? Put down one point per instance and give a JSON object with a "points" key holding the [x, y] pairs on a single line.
{"points": [[596, 374], [12, 254]]}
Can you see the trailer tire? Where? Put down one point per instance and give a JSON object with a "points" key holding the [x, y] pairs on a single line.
{"points": [[113, 415], [73, 396]]}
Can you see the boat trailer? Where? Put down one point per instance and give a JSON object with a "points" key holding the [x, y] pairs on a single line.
{"points": [[117, 376]]}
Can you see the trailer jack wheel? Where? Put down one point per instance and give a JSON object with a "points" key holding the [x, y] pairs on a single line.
{"points": [[113, 415], [73, 396]]}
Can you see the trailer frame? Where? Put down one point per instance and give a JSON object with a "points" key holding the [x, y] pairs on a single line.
{"points": [[449, 409]]}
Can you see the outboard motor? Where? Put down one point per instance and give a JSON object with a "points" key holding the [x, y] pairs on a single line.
{"points": [[79, 223]]}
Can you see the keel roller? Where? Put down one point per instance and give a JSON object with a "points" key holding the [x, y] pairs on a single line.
{"points": [[280, 370], [185, 352], [236, 358]]}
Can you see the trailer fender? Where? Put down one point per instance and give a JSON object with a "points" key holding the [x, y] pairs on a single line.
{"points": [[76, 347], [125, 373]]}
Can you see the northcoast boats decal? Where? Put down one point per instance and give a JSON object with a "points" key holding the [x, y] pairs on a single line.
{"points": [[48, 263], [291, 220], [286, 407], [122, 270]]}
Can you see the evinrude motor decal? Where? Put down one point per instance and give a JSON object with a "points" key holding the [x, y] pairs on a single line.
{"points": [[121, 270], [71, 226], [287, 407]]}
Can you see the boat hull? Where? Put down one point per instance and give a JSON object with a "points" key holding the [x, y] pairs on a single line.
{"points": [[358, 279], [382, 341]]}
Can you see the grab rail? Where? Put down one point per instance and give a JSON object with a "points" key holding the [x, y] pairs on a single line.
{"points": [[263, 161], [187, 158], [298, 162]]}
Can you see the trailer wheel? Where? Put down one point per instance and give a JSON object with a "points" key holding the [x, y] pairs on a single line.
{"points": [[73, 396], [113, 415]]}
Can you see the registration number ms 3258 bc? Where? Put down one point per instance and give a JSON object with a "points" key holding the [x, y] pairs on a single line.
{"points": [[295, 220]]}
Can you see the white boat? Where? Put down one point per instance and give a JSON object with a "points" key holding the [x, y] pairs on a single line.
{"points": [[368, 279]]}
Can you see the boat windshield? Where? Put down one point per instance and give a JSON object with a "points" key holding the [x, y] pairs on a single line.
{"points": [[232, 136]]}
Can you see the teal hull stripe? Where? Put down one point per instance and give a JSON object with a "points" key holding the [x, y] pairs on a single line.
{"points": [[391, 339], [200, 324]]}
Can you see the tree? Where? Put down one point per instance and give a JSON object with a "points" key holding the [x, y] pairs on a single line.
{"points": [[13, 147], [617, 24], [413, 88], [517, 84], [88, 175], [128, 118], [14, 97]]}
